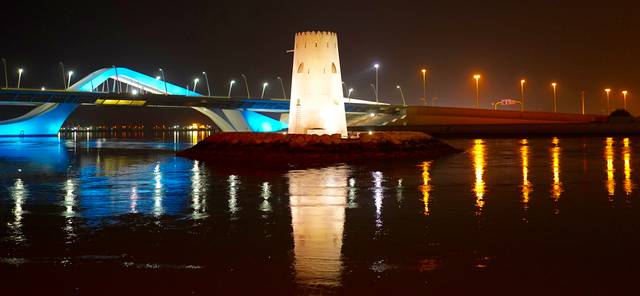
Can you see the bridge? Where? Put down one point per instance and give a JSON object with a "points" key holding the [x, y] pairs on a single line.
{"points": [[104, 87]]}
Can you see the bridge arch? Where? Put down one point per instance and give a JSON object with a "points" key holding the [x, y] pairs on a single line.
{"points": [[47, 118]]}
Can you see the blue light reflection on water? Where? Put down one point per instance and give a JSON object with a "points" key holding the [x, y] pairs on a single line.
{"points": [[95, 183]]}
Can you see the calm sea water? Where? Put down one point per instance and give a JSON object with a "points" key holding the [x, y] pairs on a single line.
{"points": [[97, 214]]}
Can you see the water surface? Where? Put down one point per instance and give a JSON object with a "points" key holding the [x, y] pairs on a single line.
{"points": [[97, 214]]}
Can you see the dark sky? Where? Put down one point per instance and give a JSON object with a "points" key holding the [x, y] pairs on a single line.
{"points": [[583, 45]]}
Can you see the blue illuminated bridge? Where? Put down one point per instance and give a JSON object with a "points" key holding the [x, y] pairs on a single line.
{"points": [[119, 86]]}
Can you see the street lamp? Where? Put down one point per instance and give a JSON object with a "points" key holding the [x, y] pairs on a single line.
{"points": [[522, 82], [404, 103], [284, 93], [624, 98], [555, 96], [6, 76], [477, 79], [375, 92], [377, 67], [424, 85], [195, 84], [349, 94], [164, 80], [64, 80], [206, 79], [70, 73], [607, 90], [264, 87], [158, 77], [19, 76], [246, 85], [231, 83]]}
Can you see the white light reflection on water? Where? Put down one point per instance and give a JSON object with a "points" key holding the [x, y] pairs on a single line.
{"points": [[18, 193], [265, 193], [318, 200], [378, 195], [157, 191], [69, 213], [197, 191], [234, 183]]}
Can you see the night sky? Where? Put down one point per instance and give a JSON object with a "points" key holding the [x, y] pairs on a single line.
{"points": [[581, 45]]}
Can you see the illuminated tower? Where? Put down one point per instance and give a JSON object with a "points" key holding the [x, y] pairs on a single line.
{"points": [[317, 101]]}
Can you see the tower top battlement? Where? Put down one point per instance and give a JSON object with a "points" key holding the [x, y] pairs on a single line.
{"points": [[316, 33]]}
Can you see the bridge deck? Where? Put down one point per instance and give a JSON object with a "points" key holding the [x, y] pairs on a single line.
{"points": [[34, 97]]}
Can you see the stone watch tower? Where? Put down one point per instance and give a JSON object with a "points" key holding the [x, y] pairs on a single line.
{"points": [[317, 101]]}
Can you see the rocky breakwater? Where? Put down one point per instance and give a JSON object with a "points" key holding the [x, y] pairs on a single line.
{"points": [[293, 148]]}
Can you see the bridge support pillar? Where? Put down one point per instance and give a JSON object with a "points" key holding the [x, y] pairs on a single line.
{"points": [[238, 120], [44, 120]]}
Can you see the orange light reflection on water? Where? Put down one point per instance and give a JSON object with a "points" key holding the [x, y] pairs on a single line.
{"points": [[426, 187], [556, 189], [478, 153], [610, 170], [626, 155], [527, 187]]}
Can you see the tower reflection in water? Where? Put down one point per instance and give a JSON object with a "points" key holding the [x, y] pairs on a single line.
{"points": [[318, 198], [478, 154]]}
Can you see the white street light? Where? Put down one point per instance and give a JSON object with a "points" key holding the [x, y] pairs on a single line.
{"points": [[206, 79], [231, 83], [284, 93], [377, 90], [264, 86], [404, 103], [20, 76], [349, 94], [43, 88], [70, 73], [195, 84], [164, 80], [246, 85], [158, 77]]}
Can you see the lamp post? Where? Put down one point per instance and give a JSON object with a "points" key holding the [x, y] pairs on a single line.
{"points": [[582, 101], [522, 82], [117, 78], [164, 80], [284, 93], [246, 85], [70, 73], [607, 90], [377, 89], [231, 83], [477, 79], [264, 87], [206, 79], [375, 92], [424, 85], [555, 96], [6, 76], [404, 103], [349, 94], [624, 98], [195, 84], [20, 76], [64, 80]]}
